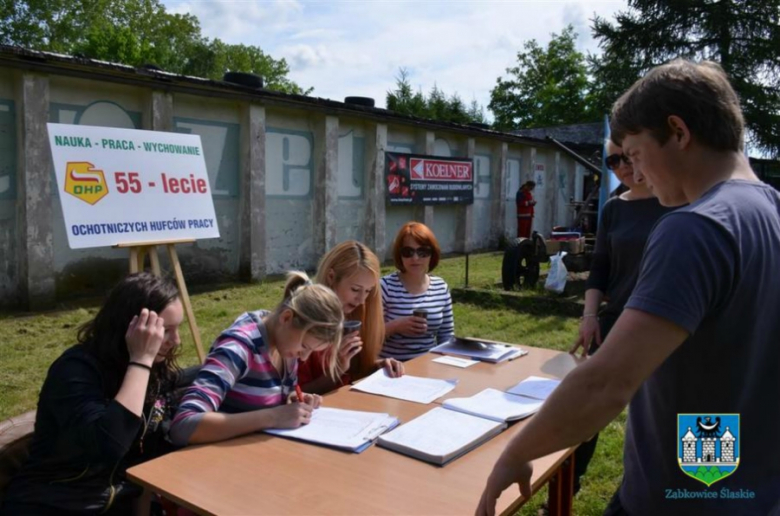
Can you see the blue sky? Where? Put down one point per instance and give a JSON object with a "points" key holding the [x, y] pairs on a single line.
{"points": [[355, 47]]}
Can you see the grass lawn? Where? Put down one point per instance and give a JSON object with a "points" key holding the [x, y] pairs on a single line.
{"points": [[29, 343]]}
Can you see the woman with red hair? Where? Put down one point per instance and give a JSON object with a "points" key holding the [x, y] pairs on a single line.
{"points": [[417, 305]]}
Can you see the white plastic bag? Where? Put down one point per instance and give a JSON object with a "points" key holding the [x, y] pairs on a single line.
{"points": [[556, 278]]}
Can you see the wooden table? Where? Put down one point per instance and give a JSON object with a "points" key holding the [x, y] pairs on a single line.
{"points": [[263, 474]]}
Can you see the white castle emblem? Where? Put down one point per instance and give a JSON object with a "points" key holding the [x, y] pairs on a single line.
{"points": [[716, 448]]}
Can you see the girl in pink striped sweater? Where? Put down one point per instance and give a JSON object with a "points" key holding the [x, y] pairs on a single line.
{"points": [[248, 380]]}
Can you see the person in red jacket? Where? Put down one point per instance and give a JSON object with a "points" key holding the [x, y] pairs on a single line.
{"points": [[525, 209]]}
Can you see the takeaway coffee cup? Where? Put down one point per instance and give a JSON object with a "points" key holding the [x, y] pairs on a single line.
{"points": [[351, 326], [420, 312]]}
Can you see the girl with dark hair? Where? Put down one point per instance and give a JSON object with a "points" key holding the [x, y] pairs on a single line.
{"points": [[104, 406]]}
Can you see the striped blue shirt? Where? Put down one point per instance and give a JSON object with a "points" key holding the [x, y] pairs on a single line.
{"points": [[398, 302]]}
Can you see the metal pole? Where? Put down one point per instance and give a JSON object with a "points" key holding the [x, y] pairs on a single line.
{"points": [[467, 270]]}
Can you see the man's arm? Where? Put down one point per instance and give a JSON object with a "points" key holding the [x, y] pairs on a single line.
{"points": [[595, 393], [591, 396], [687, 272]]}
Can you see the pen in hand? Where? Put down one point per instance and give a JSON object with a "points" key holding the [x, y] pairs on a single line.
{"points": [[299, 393]]}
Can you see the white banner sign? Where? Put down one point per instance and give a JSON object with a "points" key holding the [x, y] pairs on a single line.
{"points": [[120, 186]]}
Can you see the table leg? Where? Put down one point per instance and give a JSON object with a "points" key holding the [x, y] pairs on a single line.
{"points": [[143, 504], [561, 489]]}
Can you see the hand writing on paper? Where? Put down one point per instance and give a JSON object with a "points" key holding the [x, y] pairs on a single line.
{"points": [[292, 415], [504, 474], [312, 400]]}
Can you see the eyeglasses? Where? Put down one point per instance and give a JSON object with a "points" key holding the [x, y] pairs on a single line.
{"points": [[613, 161], [422, 252]]}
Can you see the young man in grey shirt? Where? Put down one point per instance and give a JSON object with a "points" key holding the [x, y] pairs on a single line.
{"points": [[700, 333]]}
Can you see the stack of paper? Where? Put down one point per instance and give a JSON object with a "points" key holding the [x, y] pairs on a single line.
{"points": [[440, 435], [462, 424], [479, 350], [407, 387]]}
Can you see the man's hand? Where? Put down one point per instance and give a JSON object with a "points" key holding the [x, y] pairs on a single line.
{"points": [[504, 474]]}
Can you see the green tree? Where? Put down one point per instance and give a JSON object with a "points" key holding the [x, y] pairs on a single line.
{"points": [[212, 58], [435, 106], [476, 112], [405, 101], [134, 32], [549, 86], [742, 35]]}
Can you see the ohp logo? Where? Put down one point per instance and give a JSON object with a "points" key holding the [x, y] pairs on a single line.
{"points": [[84, 182]]}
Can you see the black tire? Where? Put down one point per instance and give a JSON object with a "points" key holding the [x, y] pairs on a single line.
{"points": [[541, 247], [249, 80], [360, 101], [520, 267]]}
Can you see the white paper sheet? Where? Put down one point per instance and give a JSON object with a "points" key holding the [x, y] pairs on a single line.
{"points": [[496, 405], [535, 387], [348, 429], [455, 361], [407, 387]]}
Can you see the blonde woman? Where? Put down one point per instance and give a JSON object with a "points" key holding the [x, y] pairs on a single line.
{"points": [[247, 382], [352, 270]]}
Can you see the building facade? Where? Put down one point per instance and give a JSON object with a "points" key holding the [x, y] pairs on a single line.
{"points": [[290, 175]]}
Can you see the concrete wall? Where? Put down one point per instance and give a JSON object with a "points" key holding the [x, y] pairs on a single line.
{"points": [[8, 163], [352, 181], [445, 218], [288, 183]]}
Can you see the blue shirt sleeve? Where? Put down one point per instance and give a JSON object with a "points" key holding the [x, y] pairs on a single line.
{"points": [[688, 270]]}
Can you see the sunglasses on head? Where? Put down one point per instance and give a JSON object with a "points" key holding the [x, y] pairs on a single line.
{"points": [[613, 161], [422, 252]]}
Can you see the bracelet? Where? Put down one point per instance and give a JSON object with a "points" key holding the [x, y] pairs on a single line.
{"points": [[589, 315], [139, 364]]}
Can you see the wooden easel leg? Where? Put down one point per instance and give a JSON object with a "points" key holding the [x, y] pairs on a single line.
{"points": [[142, 258], [133, 260], [185, 299], [154, 259]]}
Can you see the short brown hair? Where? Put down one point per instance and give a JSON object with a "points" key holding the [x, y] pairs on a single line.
{"points": [[698, 93], [423, 235]]}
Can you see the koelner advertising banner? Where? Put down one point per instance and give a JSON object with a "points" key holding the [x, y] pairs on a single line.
{"points": [[123, 186], [416, 179]]}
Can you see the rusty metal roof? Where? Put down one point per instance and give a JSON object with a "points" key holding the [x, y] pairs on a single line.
{"points": [[94, 69]]}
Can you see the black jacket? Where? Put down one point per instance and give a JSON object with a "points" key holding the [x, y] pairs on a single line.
{"points": [[82, 445]]}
